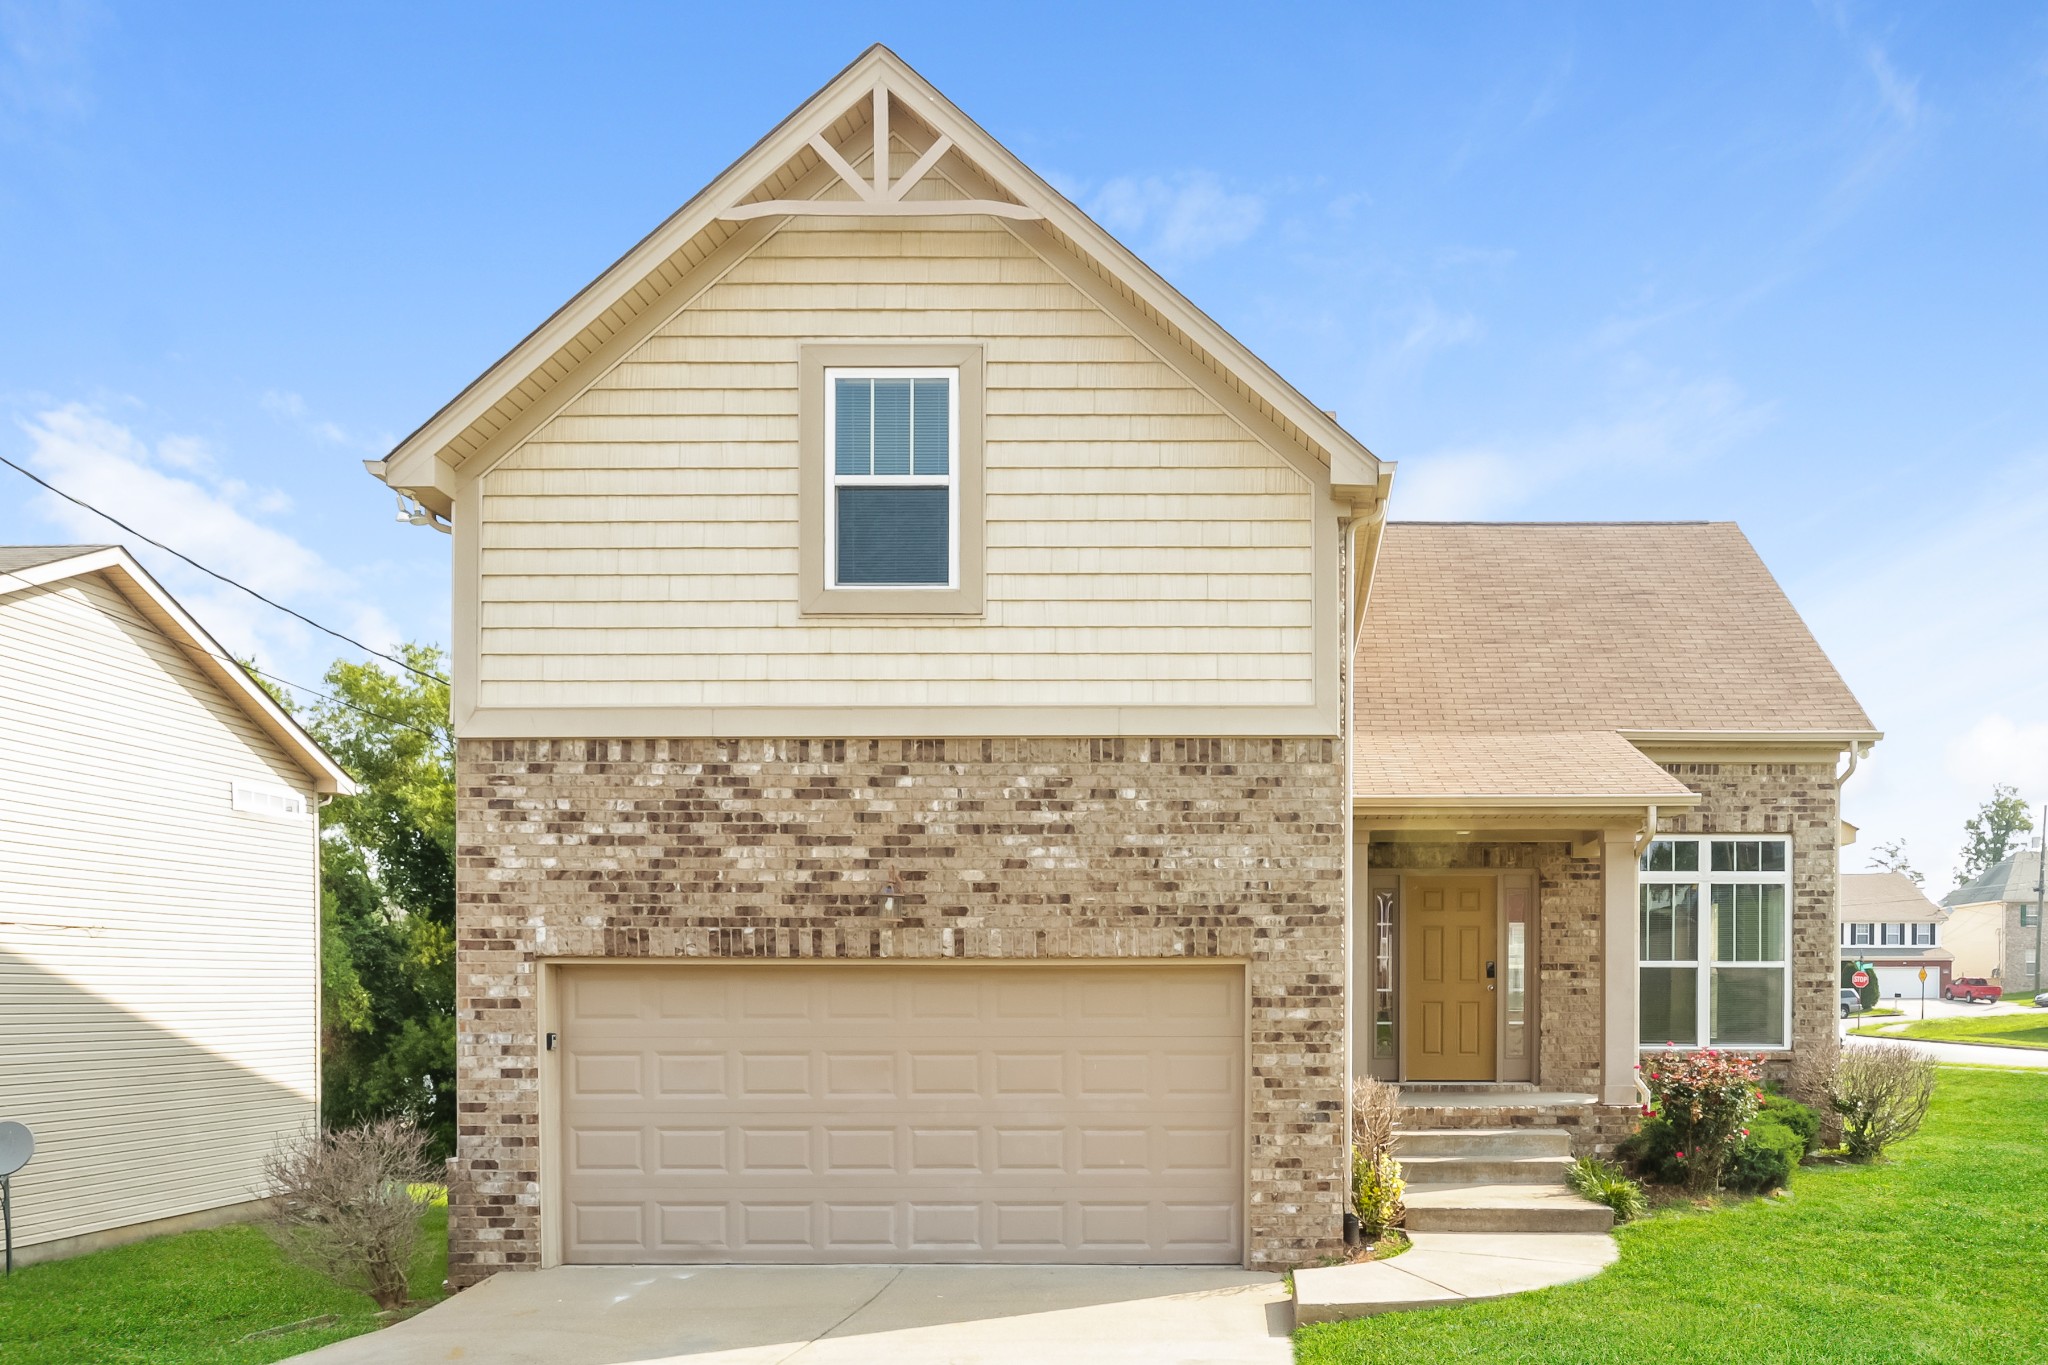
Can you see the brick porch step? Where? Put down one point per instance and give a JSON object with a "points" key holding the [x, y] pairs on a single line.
{"points": [[1502, 1208]]}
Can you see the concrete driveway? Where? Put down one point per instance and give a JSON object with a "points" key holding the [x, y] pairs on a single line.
{"points": [[811, 1315]]}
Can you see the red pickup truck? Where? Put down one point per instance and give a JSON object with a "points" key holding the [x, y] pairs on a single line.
{"points": [[1973, 989]]}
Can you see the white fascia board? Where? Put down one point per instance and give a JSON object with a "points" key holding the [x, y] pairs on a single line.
{"points": [[178, 625]]}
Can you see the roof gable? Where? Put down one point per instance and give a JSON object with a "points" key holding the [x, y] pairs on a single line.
{"points": [[34, 566], [820, 160]]}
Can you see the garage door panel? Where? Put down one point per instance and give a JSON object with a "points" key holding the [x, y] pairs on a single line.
{"points": [[1067, 1115]]}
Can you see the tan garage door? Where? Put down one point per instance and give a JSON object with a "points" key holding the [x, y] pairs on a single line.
{"points": [[884, 1113]]}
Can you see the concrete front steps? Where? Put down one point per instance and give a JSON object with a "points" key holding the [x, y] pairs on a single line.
{"points": [[1489, 1211], [1489, 1177]]}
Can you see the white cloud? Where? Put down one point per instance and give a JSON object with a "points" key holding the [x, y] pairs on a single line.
{"points": [[1999, 749], [1179, 218], [1944, 640], [172, 491], [1661, 422], [292, 408]]}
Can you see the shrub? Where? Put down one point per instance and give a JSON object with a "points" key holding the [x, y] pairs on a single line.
{"points": [[1765, 1158], [1881, 1093], [1707, 1097], [1603, 1182], [1796, 1116], [347, 1203], [1376, 1190], [1376, 1183]]}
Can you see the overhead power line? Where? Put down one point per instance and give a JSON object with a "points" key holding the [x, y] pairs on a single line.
{"points": [[282, 682], [214, 573]]}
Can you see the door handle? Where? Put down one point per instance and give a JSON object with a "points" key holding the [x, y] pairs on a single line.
{"points": [[1489, 975]]}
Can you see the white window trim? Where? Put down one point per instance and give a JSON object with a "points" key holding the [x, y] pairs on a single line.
{"points": [[1704, 964], [1869, 932], [1933, 939], [834, 480], [267, 801]]}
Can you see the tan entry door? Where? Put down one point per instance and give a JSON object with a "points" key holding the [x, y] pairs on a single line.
{"points": [[1449, 930], [767, 1113]]}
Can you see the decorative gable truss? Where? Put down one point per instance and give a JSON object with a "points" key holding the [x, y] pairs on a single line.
{"points": [[877, 142], [876, 194]]}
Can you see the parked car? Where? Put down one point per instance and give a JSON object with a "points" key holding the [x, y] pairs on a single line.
{"points": [[1852, 1001], [1969, 989], [2041, 1001]]}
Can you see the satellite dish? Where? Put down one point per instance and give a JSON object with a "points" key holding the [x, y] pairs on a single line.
{"points": [[17, 1145]]}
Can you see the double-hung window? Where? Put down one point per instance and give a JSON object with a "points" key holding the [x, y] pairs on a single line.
{"points": [[1891, 935], [1862, 935], [890, 460], [1923, 936], [1714, 934], [892, 507]]}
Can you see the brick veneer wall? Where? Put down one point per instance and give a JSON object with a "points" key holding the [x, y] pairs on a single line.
{"points": [[1001, 849], [1801, 800]]}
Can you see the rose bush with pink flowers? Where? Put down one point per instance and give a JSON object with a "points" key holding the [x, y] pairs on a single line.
{"points": [[1708, 1098]]}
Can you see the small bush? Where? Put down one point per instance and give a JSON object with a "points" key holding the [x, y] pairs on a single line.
{"points": [[1376, 1183], [1707, 1097], [1881, 1093], [1765, 1158], [1603, 1182], [348, 1203], [1796, 1116], [1651, 1151], [1376, 1190]]}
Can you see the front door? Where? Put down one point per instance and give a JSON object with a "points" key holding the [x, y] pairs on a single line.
{"points": [[1450, 977]]}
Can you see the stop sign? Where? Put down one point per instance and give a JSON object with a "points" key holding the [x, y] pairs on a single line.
{"points": [[1860, 980]]}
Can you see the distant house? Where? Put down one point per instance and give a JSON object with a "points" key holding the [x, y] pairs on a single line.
{"points": [[159, 907], [1991, 922], [1889, 923]]}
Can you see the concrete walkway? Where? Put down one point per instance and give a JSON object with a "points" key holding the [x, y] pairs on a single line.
{"points": [[812, 1315], [1446, 1268]]}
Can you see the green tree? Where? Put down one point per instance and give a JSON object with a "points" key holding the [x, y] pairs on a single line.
{"points": [[388, 897], [1988, 835], [1891, 857]]}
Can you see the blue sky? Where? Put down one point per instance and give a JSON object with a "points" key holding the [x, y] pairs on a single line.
{"points": [[1779, 263]]}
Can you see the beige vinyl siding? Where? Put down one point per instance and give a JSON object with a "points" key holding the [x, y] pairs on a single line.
{"points": [[1143, 549], [159, 992]]}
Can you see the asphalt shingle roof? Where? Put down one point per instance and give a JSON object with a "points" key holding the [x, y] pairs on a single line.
{"points": [[14, 557], [1555, 628], [1892, 897], [2011, 879]]}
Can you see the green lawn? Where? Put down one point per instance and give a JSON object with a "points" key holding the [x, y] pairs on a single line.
{"points": [[187, 1299], [1934, 1256], [1994, 1030]]}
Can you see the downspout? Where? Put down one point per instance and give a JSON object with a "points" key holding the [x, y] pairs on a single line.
{"points": [[1649, 830]]}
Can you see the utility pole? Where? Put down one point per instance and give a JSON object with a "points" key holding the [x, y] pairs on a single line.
{"points": [[2040, 895]]}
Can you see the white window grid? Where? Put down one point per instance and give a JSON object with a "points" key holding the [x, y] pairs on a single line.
{"points": [[834, 480], [1703, 964], [1923, 936]]}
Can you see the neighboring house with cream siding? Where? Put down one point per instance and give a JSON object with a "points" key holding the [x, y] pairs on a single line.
{"points": [[1994, 925], [159, 907], [955, 765]]}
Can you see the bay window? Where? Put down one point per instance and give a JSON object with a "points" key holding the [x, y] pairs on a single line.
{"points": [[1714, 934]]}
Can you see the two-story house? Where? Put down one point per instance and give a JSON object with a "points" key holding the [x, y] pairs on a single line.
{"points": [[1891, 930], [955, 764]]}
